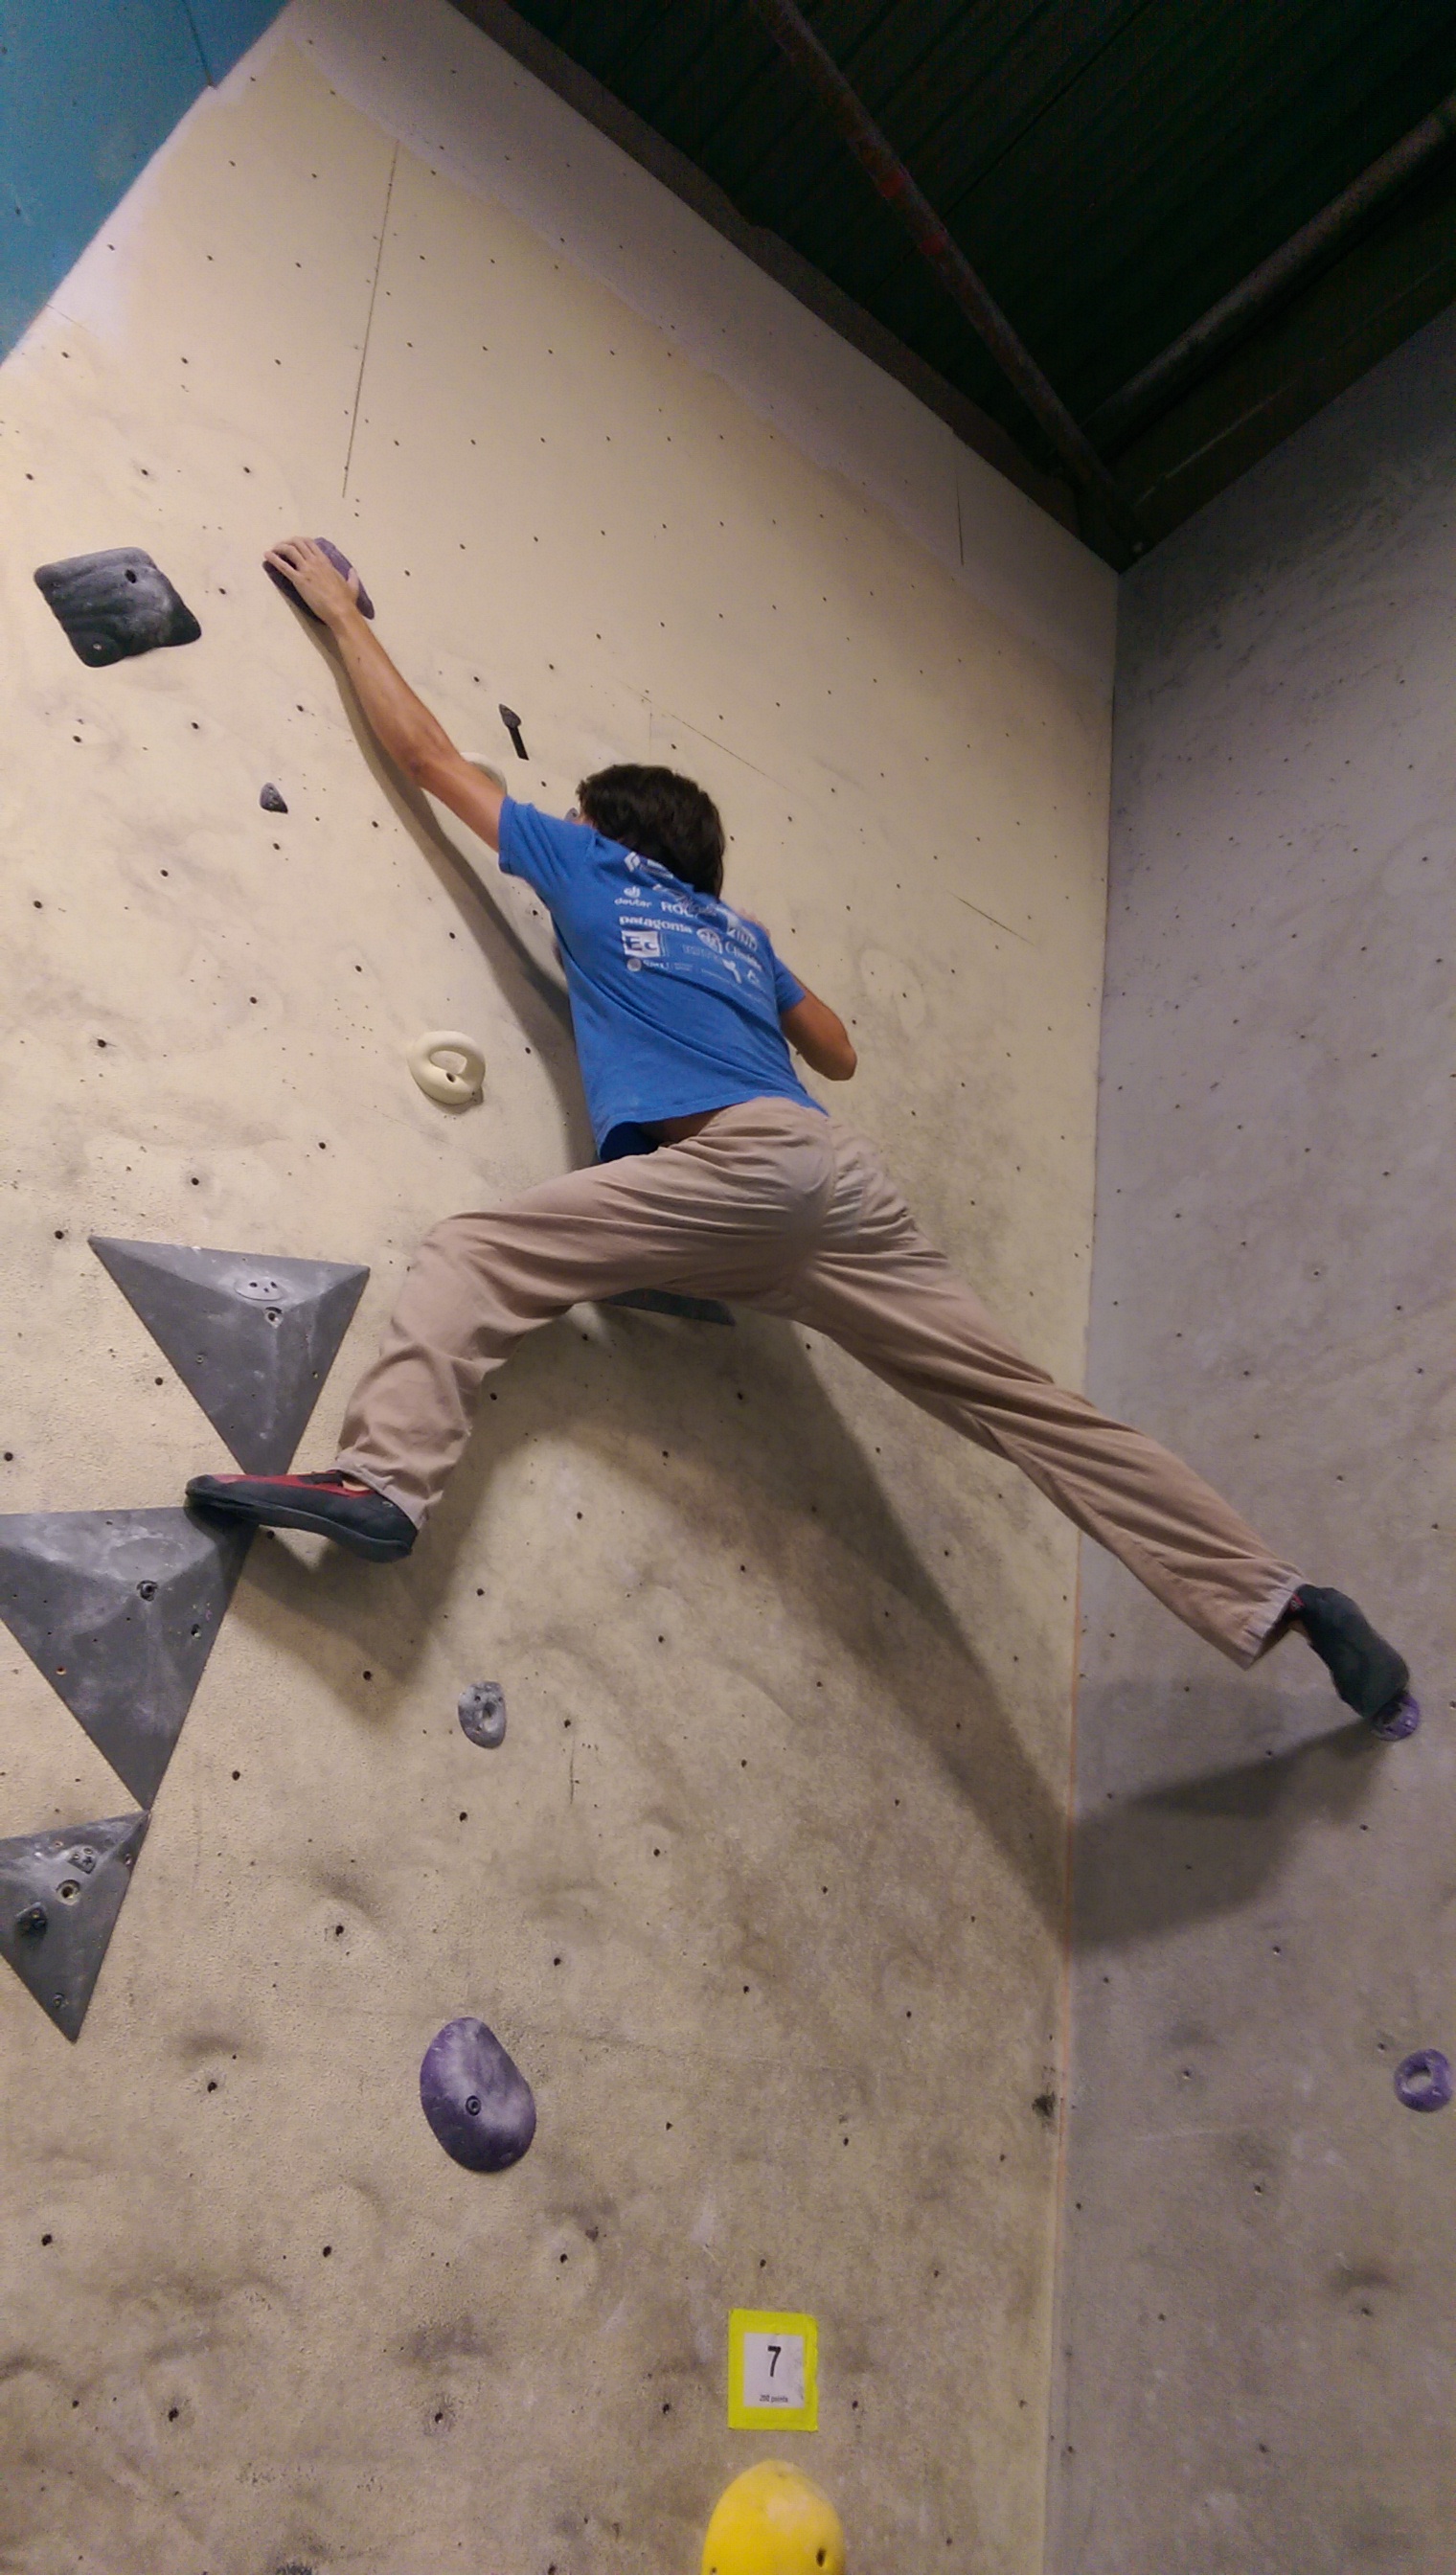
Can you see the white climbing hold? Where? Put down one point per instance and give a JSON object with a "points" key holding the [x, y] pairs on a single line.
{"points": [[455, 1084]]}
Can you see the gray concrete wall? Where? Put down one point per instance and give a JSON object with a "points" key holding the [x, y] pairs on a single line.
{"points": [[1258, 2310]]}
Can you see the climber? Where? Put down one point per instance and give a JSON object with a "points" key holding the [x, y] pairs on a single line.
{"points": [[721, 1176]]}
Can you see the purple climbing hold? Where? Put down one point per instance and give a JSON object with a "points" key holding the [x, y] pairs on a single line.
{"points": [[340, 562], [475, 2098], [271, 800], [482, 1713], [1398, 1720], [1423, 2082]]}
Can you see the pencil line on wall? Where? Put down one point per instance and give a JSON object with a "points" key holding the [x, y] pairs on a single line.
{"points": [[207, 70], [369, 322]]}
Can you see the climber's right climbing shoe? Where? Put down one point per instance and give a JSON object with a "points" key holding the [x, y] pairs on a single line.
{"points": [[328, 1505], [1371, 1677]]}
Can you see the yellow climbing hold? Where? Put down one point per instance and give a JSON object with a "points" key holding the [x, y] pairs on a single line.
{"points": [[773, 2520]]}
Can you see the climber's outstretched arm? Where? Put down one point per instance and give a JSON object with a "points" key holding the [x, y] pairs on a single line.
{"points": [[401, 723]]}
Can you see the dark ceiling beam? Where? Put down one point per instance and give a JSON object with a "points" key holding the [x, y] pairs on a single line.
{"points": [[769, 251], [797, 39], [1237, 313]]}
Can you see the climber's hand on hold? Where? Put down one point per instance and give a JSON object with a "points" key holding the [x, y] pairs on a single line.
{"points": [[400, 722], [307, 569]]}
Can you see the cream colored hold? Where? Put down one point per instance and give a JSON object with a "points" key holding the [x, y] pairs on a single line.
{"points": [[449, 1068]]}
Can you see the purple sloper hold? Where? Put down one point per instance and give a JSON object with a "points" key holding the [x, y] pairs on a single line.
{"points": [[340, 562], [1423, 2082], [475, 2098]]}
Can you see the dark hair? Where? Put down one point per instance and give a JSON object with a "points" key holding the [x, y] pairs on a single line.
{"points": [[661, 816]]}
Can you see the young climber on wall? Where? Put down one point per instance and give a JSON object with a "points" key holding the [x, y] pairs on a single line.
{"points": [[720, 1176]]}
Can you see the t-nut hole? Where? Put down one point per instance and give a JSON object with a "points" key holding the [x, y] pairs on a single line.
{"points": [[68, 1890]]}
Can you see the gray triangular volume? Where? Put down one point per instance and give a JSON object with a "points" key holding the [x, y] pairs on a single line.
{"points": [[251, 1336], [119, 1610], [60, 1894]]}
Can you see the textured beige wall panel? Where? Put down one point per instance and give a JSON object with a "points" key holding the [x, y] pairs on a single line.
{"points": [[763, 1889]]}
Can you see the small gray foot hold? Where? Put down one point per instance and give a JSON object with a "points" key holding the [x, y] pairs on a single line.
{"points": [[475, 2098], [60, 1894], [271, 800], [114, 605], [483, 1714], [251, 1336]]}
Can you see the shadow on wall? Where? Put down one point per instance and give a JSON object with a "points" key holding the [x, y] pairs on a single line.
{"points": [[1191, 1849], [779, 1452]]}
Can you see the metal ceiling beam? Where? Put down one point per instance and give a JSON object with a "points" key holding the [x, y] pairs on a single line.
{"points": [[788, 267], [797, 39], [1237, 313]]}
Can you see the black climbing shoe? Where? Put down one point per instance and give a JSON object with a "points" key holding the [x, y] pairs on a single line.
{"points": [[1371, 1677], [363, 1522]]}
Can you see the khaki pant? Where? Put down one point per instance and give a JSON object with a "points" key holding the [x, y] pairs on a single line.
{"points": [[775, 1207]]}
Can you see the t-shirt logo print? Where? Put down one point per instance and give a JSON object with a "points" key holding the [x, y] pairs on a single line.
{"points": [[640, 942]]}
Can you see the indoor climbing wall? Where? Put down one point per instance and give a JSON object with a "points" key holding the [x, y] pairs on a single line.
{"points": [[712, 1751], [1258, 2295]]}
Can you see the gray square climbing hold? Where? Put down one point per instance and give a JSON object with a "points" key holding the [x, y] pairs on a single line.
{"points": [[115, 604]]}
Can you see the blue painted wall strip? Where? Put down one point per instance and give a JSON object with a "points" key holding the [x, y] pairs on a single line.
{"points": [[87, 93]]}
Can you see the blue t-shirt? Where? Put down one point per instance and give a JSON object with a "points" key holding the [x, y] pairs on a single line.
{"points": [[674, 997]]}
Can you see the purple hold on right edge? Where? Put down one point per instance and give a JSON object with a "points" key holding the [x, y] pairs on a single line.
{"points": [[1423, 2082], [475, 2098], [341, 564]]}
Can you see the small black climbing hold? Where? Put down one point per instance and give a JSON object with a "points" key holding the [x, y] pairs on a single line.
{"points": [[32, 1923], [271, 800], [115, 604], [1423, 2082], [475, 2098], [340, 562], [482, 1713], [512, 723]]}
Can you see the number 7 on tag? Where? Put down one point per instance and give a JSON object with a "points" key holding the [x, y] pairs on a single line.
{"points": [[772, 2372]]}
